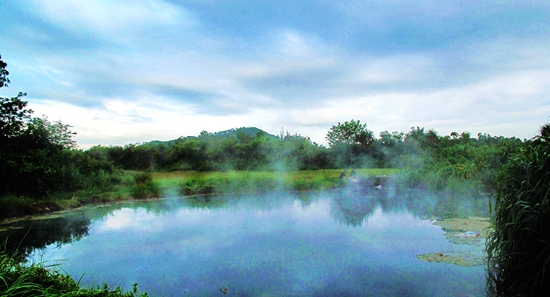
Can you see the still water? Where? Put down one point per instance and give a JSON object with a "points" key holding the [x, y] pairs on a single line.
{"points": [[332, 243]]}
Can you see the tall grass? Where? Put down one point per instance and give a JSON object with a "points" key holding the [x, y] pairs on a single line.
{"points": [[19, 280], [519, 246]]}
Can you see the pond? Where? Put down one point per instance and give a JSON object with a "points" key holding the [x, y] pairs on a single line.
{"points": [[341, 242]]}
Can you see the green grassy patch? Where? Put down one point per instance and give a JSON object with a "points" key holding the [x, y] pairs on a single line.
{"points": [[248, 182]]}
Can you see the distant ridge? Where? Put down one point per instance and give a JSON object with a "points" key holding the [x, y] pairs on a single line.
{"points": [[248, 131]]}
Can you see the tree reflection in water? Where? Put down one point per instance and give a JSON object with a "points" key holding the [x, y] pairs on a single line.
{"points": [[351, 205], [354, 204], [23, 237]]}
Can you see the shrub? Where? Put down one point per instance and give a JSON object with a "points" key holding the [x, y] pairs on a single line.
{"points": [[145, 186], [11, 205], [200, 185]]}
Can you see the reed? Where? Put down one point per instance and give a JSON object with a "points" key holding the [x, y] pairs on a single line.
{"points": [[519, 246]]}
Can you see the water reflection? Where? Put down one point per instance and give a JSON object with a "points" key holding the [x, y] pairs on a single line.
{"points": [[344, 242], [23, 237], [351, 206], [353, 210]]}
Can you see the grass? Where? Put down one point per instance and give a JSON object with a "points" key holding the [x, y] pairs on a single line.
{"points": [[249, 182], [145, 185], [19, 280]]}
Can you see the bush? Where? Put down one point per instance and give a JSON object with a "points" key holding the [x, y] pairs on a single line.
{"points": [[198, 185], [145, 186], [11, 206]]}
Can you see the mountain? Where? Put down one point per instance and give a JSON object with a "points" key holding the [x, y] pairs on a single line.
{"points": [[248, 131]]}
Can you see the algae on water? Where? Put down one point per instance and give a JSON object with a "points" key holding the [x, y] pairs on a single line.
{"points": [[462, 258], [471, 231]]}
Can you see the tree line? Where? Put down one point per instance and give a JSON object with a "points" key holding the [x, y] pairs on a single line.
{"points": [[428, 159]]}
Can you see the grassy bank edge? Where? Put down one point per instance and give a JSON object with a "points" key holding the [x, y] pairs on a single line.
{"points": [[145, 185], [22, 280]]}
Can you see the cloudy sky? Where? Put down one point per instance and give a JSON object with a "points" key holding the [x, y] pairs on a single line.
{"points": [[128, 71]]}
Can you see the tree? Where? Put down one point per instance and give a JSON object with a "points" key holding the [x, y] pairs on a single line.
{"points": [[352, 134], [31, 150], [388, 147], [391, 140], [13, 111], [4, 80], [13, 116], [56, 132]]}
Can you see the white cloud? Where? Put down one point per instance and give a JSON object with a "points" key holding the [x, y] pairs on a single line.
{"points": [[105, 16], [160, 70], [516, 101]]}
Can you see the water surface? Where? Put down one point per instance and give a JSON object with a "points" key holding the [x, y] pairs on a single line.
{"points": [[334, 243]]}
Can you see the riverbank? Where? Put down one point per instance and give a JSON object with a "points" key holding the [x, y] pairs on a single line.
{"points": [[40, 280], [139, 186]]}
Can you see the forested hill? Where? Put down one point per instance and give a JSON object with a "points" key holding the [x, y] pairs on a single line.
{"points": [[221, 135]]}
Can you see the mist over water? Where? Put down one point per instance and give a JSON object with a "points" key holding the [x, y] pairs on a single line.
{"points": [[344, 242]]}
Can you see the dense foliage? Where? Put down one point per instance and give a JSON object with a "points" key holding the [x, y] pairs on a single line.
{"points": [[519, 246], [457, 163], [350, 139], [240, 150], [4, 80]]}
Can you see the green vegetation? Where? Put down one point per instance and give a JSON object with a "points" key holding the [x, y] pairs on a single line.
{"points": [[39, 164], [223, 151], [145, 187], [19, 280], [455, 163], [350, 139], [248, 182], [519, 247]]}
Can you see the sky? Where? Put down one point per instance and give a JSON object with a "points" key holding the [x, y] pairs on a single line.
{"points": [[132, 71]]}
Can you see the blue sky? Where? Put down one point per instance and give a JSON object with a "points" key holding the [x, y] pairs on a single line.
{"points": [[128, 71]]}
